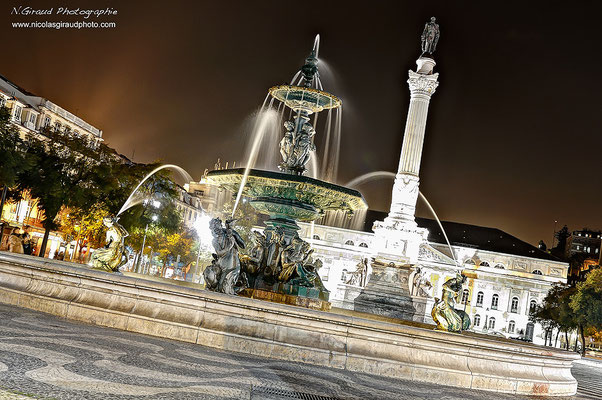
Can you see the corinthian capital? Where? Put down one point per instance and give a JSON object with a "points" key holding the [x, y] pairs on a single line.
{"points": [[422, 84]]}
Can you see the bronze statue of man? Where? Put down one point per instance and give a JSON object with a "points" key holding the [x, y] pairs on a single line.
{"points": [[430, 37]]}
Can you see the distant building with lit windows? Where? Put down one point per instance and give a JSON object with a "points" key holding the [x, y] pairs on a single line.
{"points": [[31, 114]]}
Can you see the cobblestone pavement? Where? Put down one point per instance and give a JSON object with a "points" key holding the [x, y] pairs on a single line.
{"points": [[44, 357]]}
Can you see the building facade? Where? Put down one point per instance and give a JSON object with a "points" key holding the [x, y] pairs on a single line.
{"points": [[506, 276], [31, 114]]}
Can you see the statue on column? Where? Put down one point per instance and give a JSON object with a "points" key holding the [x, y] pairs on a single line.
{"points": [[444, 314], [114, 255], [420, 284], [430, 37]]}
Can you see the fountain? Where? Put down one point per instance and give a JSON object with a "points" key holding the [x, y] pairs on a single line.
{"points": [[286, 197]]}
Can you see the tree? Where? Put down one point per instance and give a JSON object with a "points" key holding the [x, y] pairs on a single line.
{"points": [[561, 236], [555, 312], [63, 172], [587, 303]]}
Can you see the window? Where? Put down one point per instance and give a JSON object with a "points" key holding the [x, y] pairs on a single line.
{"points": [[479, 299], [2, 101], [494, 301], [32, 118], [532, 305], [316, 237], [484, 264], [537, 272], [57, 126], [350, 243], [464, 296], [363, 245], [499, 266], [514, 305], [511, 326], [477, 320], [76, 133], [67, 129], [46, 121], [344, 275], [17, 113], [491, 323]]}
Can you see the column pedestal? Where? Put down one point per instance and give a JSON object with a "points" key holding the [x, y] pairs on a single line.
{"points": [[387, 292]]}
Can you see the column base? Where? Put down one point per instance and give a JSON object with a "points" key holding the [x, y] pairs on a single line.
{"points": [[387, 292]]}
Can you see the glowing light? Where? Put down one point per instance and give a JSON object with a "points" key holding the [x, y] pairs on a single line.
{"points": [[202, 229]]}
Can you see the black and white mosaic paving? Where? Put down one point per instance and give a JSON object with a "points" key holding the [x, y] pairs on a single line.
{"points": [[44, 357]]}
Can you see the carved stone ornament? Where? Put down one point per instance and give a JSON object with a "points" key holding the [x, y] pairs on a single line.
{"points": [[422, 84]]}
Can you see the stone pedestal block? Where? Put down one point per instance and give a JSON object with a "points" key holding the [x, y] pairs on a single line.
{"points": [[387, 292]]}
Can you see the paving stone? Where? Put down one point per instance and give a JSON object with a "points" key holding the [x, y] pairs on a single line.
{"points": [[43, 357]]}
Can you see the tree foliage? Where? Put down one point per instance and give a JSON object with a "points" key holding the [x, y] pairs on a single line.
{"points": [[587, 301]]}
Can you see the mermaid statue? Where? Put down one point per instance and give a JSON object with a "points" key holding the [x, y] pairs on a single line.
{"points": [[444, 314], [113, 255]]}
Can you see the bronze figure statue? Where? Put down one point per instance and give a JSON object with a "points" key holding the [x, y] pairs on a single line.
{"points": [[430, 37], [224, 272], [444, 314], [114, 254]]}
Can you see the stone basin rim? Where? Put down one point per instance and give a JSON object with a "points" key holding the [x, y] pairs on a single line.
{"points": [[348, 321]]}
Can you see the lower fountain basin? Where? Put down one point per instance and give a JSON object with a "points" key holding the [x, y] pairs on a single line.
{"points": [[382, 347], [282, 195]]}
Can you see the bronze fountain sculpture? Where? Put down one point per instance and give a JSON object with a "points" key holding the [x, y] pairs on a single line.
{"points": [[444, 314]]}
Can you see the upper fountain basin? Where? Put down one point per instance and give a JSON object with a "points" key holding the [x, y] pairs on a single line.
{"points": [[292, 196], [308, 99]]}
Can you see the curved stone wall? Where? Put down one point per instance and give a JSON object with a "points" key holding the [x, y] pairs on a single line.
{"points": [[283, 332]]}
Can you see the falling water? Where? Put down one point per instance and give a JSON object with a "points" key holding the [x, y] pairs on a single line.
{"points": [[331, 154], [133, 199], [370, 176], [440, 226], [265, 120]]}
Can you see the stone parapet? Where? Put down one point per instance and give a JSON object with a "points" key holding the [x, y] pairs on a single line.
{"points": [[353, 342]]}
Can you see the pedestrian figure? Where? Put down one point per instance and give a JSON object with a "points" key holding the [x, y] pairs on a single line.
{"points": [[27, 241], [15, 242]]}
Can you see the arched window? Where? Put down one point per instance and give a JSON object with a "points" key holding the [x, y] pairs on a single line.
{"points": [[511, 326], [469, 262], [499, 266], [350, 243], [316, 237], [484, 264], [532, 305], [491, 323], [477, 320], [479, 299], [494, 301], [514, 305], [464, 296], [344, 275], [363, 245], [537, 272]]}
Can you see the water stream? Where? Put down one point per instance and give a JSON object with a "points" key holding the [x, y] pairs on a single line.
{"points": [[135, 198]]}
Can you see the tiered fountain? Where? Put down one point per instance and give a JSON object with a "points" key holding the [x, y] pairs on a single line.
{"points": [[287, 197]]}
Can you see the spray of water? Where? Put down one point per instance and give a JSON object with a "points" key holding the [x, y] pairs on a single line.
{"points": [[440, 226], [265, 119], [370, 176], [135, 198]]}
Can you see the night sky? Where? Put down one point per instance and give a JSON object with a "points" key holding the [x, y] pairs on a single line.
{"points": [[513, 137]]}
